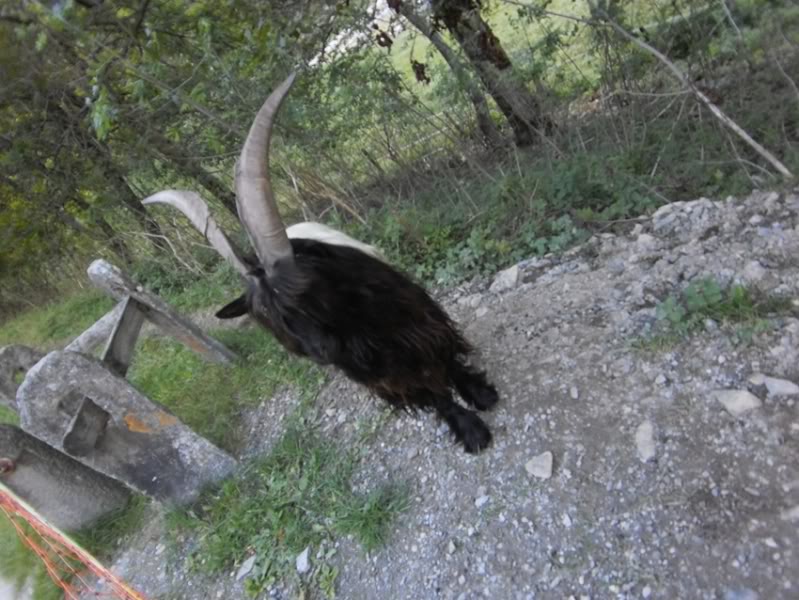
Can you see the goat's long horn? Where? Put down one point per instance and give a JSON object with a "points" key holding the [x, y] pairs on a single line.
{"points": [[195, 208], [254, 197]]}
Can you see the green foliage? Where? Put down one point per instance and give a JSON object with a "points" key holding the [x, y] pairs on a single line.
{"points": [[102, 114], [297, 496], [57, 322], [705, 299], [207, 397], [172, 114], [509, 215]]}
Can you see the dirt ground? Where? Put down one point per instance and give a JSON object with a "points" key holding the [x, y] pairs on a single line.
{"points": [[663, 483]]}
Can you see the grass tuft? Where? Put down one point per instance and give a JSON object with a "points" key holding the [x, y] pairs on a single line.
{"points": [[682, 315], [297, 496], [8, 416]]}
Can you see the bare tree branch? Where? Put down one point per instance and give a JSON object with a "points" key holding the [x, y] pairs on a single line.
{"points": [[685, 81]]}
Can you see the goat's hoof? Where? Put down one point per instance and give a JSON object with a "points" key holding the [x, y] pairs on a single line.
{"points": [[475, 437], [486, 398]]}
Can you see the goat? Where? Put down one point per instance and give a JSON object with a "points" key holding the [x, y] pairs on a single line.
{"points": [[335, 300]]}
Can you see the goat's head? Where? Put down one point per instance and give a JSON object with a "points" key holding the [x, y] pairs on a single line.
{"points": [[256, 206]]}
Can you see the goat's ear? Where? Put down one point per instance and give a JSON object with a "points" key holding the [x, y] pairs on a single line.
{"points": [[235, 309]]}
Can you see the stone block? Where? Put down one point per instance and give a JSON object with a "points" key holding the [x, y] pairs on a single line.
{"points": [[70, 495], [76, 404], [15, 360]]}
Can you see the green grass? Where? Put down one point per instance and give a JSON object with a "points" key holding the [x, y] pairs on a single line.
{"points": [[18, 564], [297, 496], [209, 397], [8, 416], [685, 314], [102, 538], [51, 325], [186, 291]]}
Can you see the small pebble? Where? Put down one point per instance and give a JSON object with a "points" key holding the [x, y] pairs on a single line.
{"points": [[645, 441], [540, 466], [737, 402], [302, 563], [775, 386]]}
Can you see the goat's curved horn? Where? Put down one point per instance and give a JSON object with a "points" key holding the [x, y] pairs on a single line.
{"points": [[254, 197], [195, 208]]}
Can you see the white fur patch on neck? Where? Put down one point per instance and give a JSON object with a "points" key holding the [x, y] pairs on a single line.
{"points": [[328, 235]]}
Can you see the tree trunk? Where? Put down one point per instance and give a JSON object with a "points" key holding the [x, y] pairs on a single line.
{"points": [[463, 20], [485, 123]]}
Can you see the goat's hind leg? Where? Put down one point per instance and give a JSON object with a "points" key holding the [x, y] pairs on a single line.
{"points": [[473, 386], [465, 425]]}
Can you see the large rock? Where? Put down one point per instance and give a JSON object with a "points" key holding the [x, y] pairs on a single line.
{"points": [[15, 360], [76, 404], [67, 493], [686, 220]]}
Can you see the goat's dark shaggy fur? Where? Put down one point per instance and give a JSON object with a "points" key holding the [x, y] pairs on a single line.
{"points": [[337, 305]]}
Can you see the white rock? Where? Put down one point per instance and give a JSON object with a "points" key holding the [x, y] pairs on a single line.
{"points": [[645, 441], [574, 393], [540, 466], [753, 272], [245, 568], [645, 240], [481, 312], [566, 520], [302, 562], [790, 514], [481, 501], [775, 386], [737, 402], [451, 547], [506, 280]]}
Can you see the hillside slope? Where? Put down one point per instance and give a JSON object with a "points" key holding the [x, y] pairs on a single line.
{"points": [[660, 486]]}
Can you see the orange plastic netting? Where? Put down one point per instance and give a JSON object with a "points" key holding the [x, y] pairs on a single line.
{"points": [[72, 568]]}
